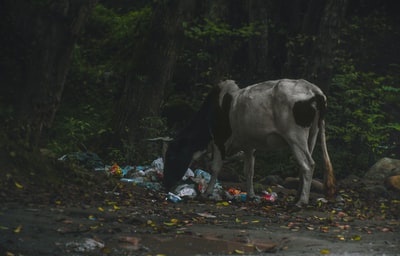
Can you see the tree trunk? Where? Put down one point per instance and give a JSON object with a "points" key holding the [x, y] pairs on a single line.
{"points": [[312, 29], [221, 11], [258, 57], [38, 43], [321, 67], [154, 62]]}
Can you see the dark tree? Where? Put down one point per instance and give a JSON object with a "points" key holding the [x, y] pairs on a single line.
{"points": [[37, 40], [312, 37], [322, 57], [150, 70]]}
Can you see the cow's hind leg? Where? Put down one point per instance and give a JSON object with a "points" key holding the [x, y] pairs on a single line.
{"points": [[248, 169], [306, 164]]}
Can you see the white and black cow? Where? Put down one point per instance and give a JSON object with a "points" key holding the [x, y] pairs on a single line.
{"points": [[266, 115]]}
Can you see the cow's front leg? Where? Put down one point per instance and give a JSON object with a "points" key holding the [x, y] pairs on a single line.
{"points": [[216, 166], [248, 169]]}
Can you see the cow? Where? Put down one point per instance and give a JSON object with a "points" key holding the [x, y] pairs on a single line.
{"points": [[267, 115]]}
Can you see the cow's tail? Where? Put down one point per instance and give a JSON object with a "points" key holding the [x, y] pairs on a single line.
{"points": [[329, 177]]}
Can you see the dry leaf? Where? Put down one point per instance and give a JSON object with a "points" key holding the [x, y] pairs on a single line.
{"points": [[19, 185], [206, 215], [324, 251], [18, 229], [239, 251], [341, 237]]}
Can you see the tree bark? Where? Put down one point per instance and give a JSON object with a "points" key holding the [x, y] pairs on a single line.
{"points": [[321, 67], [258, 57], [154, 62], [40, 38]]}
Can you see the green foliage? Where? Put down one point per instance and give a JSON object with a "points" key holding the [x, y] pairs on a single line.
{"points": [[363, 101], [218, 31], [211, 41], [358, 121], [95, 79], [279, 163], [153, 126], [361, 122], [144, 150], [77, 133], [113, 36], [298, 51]]}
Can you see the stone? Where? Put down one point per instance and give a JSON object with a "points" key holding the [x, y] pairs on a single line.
{"points": [[294, 183], [395, 172], [381, 170], [272, 180], [393, 182], [376, 191]]}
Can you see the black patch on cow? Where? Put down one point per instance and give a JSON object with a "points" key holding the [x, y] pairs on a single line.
{"points": [[221, 127], [194, 137], [304, 112]]}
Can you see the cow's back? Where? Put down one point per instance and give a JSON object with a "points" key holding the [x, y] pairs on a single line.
{"points": [[262, 114]]}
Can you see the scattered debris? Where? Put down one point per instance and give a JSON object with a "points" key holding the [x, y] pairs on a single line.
{"points": [[270, 196], [186, 190], [89, 160], [192, 184], [86, 245], [173, 198]]}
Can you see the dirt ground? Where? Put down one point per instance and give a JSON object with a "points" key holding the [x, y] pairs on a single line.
{"points": [[123, 219]]}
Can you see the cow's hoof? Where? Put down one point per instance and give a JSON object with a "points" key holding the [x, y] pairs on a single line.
{"points": [[296, 208], [300, 205]]}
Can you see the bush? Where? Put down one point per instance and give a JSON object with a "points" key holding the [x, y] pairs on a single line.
{"points": [[361, 124]]}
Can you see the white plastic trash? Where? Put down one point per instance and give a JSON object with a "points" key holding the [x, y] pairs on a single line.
{"points": [[188, 174]]}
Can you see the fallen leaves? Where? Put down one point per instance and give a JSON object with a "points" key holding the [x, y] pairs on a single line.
{"points": [[172, 222], [224, 203], [356, 238], [324, 251], [324, 229], [129, 210], [18, 229], [206, 215], [238, 251], [18, 185], [129, 242]]}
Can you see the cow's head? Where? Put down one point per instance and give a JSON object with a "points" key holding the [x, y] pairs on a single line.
{"points": [[190, 140], [177, 160]]}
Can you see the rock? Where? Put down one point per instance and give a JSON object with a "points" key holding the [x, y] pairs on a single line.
{"points": [[293, 183], [272, 180], [395, 172], [376, 191], [393, 182], [381, 170], [349, 180]]}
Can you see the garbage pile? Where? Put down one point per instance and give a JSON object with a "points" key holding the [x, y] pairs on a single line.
{"points": [[193, 183], [147, 176]]}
